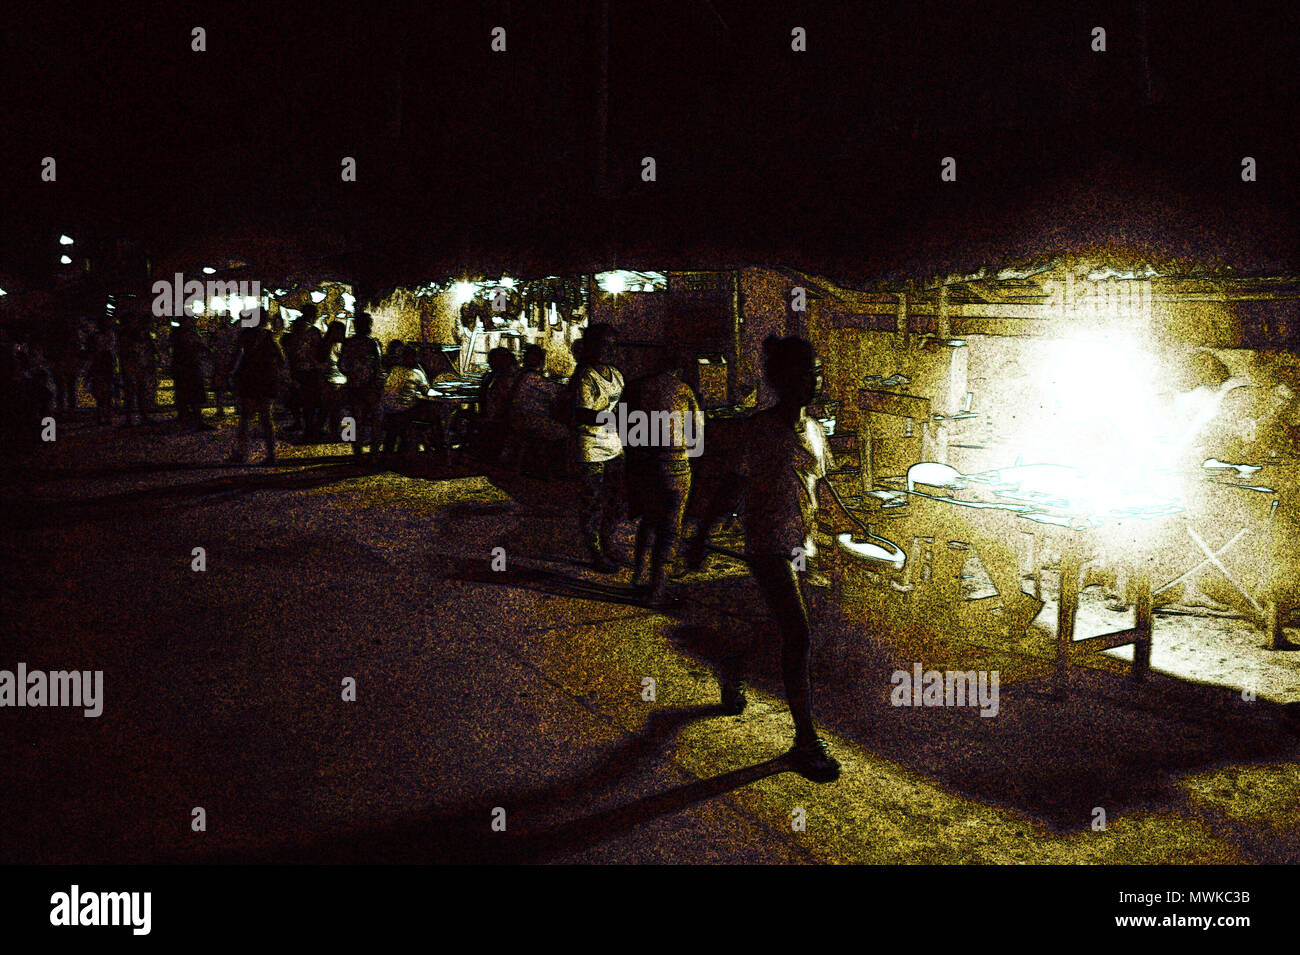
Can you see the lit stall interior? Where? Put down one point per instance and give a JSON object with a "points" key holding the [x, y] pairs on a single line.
{"points": [[1073, 420]]}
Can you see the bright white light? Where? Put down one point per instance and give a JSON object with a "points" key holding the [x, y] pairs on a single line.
{"points": [[318, 297], [464, 291], [64, 260], [176, 324], [3, 293], [65, 240], [209, 270], [196, 307], [218, 305], [614, 283], [349, 301], [507, 282], [1100, 418]]}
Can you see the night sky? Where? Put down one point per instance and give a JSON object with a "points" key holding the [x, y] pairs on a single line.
{"points": [[831, 155]]}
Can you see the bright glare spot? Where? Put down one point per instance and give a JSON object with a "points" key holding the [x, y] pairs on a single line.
{"points": [[65, 260], [65, 240], [464, 291], [3, 292], [209, 270], [507, 282], [349, 301], [614, 283], [318, 297], [176, 324], [218, 305], [1101, 426], [196, 306]]}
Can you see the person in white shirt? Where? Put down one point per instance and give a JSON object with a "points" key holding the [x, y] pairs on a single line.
{"points": [[597, 387]]}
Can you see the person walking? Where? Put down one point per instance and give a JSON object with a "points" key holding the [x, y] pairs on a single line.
{"points": [[659, 467], [781, 469]]}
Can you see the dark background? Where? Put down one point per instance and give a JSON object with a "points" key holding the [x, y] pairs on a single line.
{"points": [[830, 157]]}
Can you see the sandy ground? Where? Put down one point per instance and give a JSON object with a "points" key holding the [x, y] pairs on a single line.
{"points": [[524, 690]]}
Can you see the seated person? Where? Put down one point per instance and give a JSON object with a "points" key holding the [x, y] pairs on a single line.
{"points": [[405, 386]]}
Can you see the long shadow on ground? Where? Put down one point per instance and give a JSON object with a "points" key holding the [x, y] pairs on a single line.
{"points": [[537, 827]]}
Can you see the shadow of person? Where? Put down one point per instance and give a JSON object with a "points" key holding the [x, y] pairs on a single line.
{"points": [[561, 817]]}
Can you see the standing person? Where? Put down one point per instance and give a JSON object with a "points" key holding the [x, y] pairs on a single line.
{"points": [[259, 365], [308, 370], [135, 352], [333, 381], [362, 362], [535, 435], [781, 468], [597, 387], [187, 373], [497, 390], [223, 343], [659, 469], [103, 364]]}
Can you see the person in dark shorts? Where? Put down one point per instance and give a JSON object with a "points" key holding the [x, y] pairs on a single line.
{"points": [[781, 468], [306, 344], [361, 360], [670, 432], [259, 366]]}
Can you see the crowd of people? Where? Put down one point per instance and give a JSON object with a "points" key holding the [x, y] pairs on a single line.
{"points": [[332, 382]]}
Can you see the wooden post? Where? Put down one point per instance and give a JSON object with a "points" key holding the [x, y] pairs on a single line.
{"points": [[1142, 645], [1066, 610]]}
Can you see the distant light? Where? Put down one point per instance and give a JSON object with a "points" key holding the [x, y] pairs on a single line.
{"points": [[209, 270], [196, 306], [64, 260], [464, 292], [318, 297], [65, 240], [614, 283], [349, 301], [3, 292], [176, 324], [507, 282]]}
